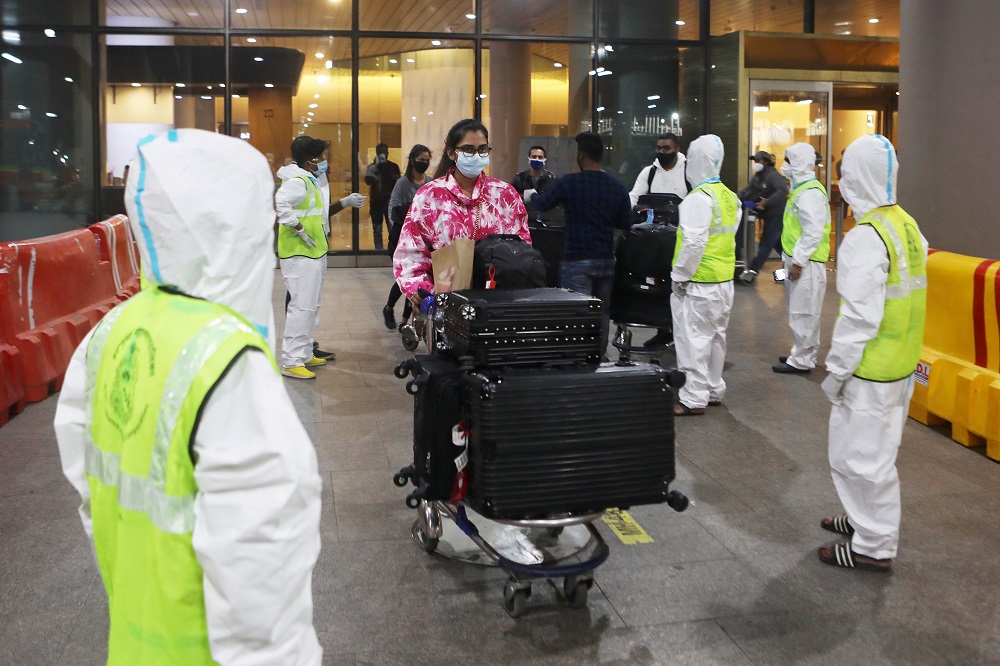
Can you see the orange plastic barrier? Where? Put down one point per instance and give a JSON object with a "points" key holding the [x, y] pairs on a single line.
{"points": [[958, 379], [53, 290]]}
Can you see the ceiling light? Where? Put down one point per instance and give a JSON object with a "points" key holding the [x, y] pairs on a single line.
{"points": [[22, 107], [310, 114], [50, 114], [591, 73], [679, 22], [268, 85], [897, 92], [650, 106], [206, 97], [600, 108], [606, 72], [557, 65], [320, 55], [804, 101], [621, 112], [241, 11], [393, 61], [435, 42], [12, 36], [13, 59], [322, 78], [316, 96], [192, 13], [259, 59], [178, 97], [139, 85], [413, 118], [305, 124], [251, 40], [840, 24], [329, 64], [179, 85], [410, 60], [68, 79], [209, 87], [222, 85], [236, 96], [652, 97], [873, 20], [761, 109], [599, 69], [313, 106], [430, 113], [483, 96], [675, 115], [31, 143], [49, 32], [609, 48], [471, 17]]}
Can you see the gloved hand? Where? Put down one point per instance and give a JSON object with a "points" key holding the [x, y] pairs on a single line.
{"points": [[306, 238], [749, 204], [353, 200], [679, 288], [527, 196], [834, 389]]}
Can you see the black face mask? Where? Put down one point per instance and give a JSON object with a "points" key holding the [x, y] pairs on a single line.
{"points": [[421, 167], [666, 160]]}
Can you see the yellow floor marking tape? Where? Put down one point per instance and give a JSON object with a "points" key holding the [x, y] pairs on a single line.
{"points": [[624, 525]]}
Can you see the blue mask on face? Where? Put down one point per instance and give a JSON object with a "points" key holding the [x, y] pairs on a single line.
{"points": [[321, 168], [536, 165], [472, 166]]}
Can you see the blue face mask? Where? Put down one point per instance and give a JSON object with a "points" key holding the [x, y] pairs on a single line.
{"points": [[321, 168], [536, 165], [472, 166]]}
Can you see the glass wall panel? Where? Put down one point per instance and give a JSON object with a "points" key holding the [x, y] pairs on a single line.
{"points": [[150, 88], [301, 14], [46, 136], [411, 91], [761, 15], [875, 18], [45, 12], [535, 94], [783, 117], [651, 19], [417, 15], [638, 98], [165, 14], [573, 18]]}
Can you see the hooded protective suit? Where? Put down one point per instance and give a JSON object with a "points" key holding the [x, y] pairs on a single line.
{"points": [[804, 296], [208, 232], [700, 309], [866, 422], [303, 275]]}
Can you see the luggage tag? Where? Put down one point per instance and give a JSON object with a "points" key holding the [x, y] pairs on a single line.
{"points": [[491, 282], [460, 437]]}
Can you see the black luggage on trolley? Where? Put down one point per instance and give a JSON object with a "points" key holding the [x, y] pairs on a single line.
{"points": [[556, 440], [548, 240], [505, 327], [641, 290]]}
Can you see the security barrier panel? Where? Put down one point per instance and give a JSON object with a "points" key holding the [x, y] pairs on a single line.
{"points": [[53, 290], [958, 378]]}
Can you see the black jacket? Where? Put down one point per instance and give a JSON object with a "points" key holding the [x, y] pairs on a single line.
{"points": [[523, 181], [770, 186]]}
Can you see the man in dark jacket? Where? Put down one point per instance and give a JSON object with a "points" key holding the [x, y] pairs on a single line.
{"points": [[536, 177], [381, 177], [768, 189]]}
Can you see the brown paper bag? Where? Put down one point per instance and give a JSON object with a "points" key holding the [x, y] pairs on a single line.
{"points": [[452, 265]]}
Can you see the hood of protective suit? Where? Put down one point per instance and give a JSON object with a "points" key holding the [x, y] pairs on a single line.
{"points": [[202, 208], [868, 174], [292, 171], [704, 159], [801, 164]]}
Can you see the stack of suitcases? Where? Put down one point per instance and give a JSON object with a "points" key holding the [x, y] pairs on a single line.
{"points": [[515, 415]]}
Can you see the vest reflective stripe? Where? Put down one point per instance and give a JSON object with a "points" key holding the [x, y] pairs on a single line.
{"points": [[718, 264], [311, 214], [791, 229], [895, 351]]}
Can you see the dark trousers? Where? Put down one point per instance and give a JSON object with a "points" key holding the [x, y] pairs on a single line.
{"points": [[769, 240], [379, 214], [394, 295]]}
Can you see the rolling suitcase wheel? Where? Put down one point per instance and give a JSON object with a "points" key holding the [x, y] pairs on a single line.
{"points": [[515, 599], [576, 591], [428, 543]]}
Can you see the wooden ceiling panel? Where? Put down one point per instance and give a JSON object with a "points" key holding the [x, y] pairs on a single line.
{"points": [[760, 15]]}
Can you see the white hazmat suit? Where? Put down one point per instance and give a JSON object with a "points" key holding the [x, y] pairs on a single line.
{"points": [[700, 309], [303, 275], [804, 296], [208, 230], [866, 422]]}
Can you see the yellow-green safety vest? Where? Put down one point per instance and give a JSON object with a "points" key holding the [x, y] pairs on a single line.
{"points": [[151, 364], [895, 351], [311, 214], [791, 228], [718, 264]]}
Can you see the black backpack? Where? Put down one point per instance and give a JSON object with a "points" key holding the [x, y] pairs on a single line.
{"points": [[664, 206], [509, 262]]}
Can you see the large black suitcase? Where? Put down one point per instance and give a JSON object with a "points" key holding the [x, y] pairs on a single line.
{"points": [[554, 440], [548, 239], [648, 250], [642, 300], [505, 327], [437, 408]]}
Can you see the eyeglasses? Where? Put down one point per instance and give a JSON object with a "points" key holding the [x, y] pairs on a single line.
{"points": [[469, 151]]}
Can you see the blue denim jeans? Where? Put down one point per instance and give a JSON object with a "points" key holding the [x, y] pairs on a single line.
{"points": [[592, 277]]}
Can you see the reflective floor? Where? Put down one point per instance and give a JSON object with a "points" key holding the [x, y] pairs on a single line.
{"points": [[734, 580]]}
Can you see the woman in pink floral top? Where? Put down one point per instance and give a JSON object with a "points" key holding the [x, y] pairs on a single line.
{"points": [[461, 202]]}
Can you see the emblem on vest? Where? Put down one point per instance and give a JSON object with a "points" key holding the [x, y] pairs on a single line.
{"points": [[133, 360]]}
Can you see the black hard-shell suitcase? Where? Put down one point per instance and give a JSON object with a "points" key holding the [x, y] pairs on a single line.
{"points": [[642, 300], [548, 239], [505, 327], [437, 408], [568, 439], [648, 250]]}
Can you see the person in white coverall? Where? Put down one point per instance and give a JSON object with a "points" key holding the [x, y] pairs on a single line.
{"points": [[882, 281], [704, 265], [199, 485], [805, 244], [303, 224]]}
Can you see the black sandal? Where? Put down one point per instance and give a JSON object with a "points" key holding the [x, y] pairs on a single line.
{"points": [[841, 555], [838, 524], [680, 409]]}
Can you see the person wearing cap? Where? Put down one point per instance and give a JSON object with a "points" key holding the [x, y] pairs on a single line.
{"points": [[768, 191], [882, 281], [805, 243], [702, 278], [199, 487]]}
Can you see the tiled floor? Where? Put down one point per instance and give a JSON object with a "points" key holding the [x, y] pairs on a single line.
{"points": [[734, 580]]}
